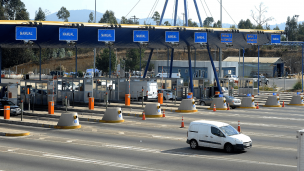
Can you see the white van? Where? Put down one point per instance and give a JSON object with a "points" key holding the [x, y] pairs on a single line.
{"points": [[216, 135]]}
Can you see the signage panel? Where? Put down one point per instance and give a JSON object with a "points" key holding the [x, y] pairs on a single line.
{"points": [[140, 36], [226, 37], [26, 33], [172, 36], [68, 34], [106, 35], [275, 38], [200, 37], [252, 38]]}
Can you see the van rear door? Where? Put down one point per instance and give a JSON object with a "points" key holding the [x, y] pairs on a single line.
{"points": [[203, 135]]}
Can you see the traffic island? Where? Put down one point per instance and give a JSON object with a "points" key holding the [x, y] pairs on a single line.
{"points": [[273, 101], [68, 121], [296, 100], [14, 133], [153, 110], [247, 102], [219, 103], [112, 115], [187, 106]]}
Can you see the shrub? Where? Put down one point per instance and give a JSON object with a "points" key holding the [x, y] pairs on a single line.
{"points": [[297, 86]]}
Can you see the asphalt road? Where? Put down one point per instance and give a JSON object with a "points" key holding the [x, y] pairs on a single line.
{"points": [[156, 144]]}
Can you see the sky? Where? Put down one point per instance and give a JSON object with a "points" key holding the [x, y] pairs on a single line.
{"points": [[237, 9]]}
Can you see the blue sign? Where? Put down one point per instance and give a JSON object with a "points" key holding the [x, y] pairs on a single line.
{"points": [[158, 110], [140, 36], [189, 96], [172, 36], [68, 34], [75, 121], [26, 33], [275, 38], [252, 38], [200, 37], [119, 115], [226, 37], [105, 35]]}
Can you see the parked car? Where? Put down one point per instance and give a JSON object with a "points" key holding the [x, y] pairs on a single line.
{"points": [[232, 101], [215, 134], [15, 110], [262, 79], [167, 94], [231, 77]]}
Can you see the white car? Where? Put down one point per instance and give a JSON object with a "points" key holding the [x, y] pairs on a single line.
{"points": [[167, 94], [232, 77], [215, 134]]}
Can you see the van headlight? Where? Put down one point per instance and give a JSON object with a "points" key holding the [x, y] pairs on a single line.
{"points": [[237, 141]]}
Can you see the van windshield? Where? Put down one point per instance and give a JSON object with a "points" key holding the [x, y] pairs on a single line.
{"points": [[229, 130]]}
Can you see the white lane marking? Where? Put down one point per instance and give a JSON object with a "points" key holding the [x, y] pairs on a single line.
{"points": [[168, 152]]}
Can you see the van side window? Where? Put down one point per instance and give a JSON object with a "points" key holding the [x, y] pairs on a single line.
{"points": [[215, 131], [194, 128]]}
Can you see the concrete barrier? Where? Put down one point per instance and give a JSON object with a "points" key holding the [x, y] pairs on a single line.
{"points": [[273, 101], [153, 110], [68, 121], [297, 100], [187, 106], [219, 102], [112, 115], [247, 102]]}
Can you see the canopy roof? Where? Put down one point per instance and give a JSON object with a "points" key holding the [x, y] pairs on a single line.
{"points": [[254, 59], [48, 35]]}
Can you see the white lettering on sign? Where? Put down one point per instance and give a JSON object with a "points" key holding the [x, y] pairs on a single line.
{"points": [[141, 35], [172, 36], [106, 35], [67, 34], [26, 33], [275, 39], [200, 37]]}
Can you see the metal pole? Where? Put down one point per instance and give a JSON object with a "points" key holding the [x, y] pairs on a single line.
{"points": [[171, 64], [0, 61], [21, 110], [198, 14], [284, 78], [175, 15], [162, 16], [302, 65], [190, 69], [239, 62], [76, 63], [95, 13], [243, 62], [140, 60], [109, 61], [147, 66], [214, 69], [185, 7], [195, 62], [39, 62], [168, 63], [258, 70], [95, 62]]}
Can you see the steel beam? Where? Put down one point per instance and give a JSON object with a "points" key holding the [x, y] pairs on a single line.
{"points": [[175, 15], [109, 62], [198, 14], [163, 13], [76, 61], [39, 62], [214, 70], [302, 65], [171, 64], [1, 62], [139, 60], [243, 62], [190, 69], [185, 7], [147, 66], [258, 70]]}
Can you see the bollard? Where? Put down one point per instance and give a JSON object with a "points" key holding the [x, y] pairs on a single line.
{"points": [[6, 112], [91, 103], [51, 107], [21, 109]]}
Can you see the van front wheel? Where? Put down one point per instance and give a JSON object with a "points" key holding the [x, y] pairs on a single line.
{"points": [[193, 144], [228, 148]]}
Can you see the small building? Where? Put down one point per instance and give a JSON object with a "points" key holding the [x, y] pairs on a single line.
{"points": [[200, 69], [269, 66]]}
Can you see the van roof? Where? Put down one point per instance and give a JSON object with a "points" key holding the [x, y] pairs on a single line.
{"points": [[216, 123]]}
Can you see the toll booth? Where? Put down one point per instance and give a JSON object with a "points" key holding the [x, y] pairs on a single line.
{"points": [[199, 87], [33, 91], [172, 84], [248, 86], [227, 85], [9, 91]]}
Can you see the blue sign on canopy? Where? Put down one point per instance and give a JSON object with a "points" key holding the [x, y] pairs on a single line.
{"points": [[26, 33], [200, 37], [172, 36], [68, 34], [140, 36], [275, 38], [226, 37], [252, 38], [105, 35]]}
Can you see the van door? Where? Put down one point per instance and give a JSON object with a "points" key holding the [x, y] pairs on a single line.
{"points": [[193, 132], [203, 135], [216, 139]]}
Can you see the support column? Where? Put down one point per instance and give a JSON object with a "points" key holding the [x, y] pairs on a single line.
{"points": [[40, 62], [214, 69], [302, 64], [162, 15], [195, 62], [147, 66], [190, 69], [258, 70], [220, 63], [185, 7], [95, 62], [168, 63], [243, 62], [175, 15], [109, 61], [139, 60], [171, 64], [76, 62], [0, 62], [198, 14]]}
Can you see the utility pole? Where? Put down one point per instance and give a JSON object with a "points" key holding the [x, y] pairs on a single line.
{"points": [[220, 53], [134, 18], [94, 48]]}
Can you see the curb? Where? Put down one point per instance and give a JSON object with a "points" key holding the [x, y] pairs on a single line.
{"points": [[67, 127], [16, 134], [186, 111]]}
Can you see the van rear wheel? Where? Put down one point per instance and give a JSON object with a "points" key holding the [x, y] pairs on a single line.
{"points": [[193, 144], [228, 148]]}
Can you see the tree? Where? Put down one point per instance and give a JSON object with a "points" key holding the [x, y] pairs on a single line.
{"points": [[63, 13], [259, 17], [91, 18], [123, 20], [156, 17], [217, 24], [102, 60], [291, 29], [13, 10], [245, 24], [232, 26], [208, 21], [192, 23], [108, 17], [301, 32], [166, 23], [40, 15], [276, 28], [133, 59]]}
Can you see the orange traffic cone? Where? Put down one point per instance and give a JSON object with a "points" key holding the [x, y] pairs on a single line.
{"points": [[283, 105], [214, 108], [239, 127], [164, 113], [257, 107], [143, 116], [182, 125], [228, 108]]}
